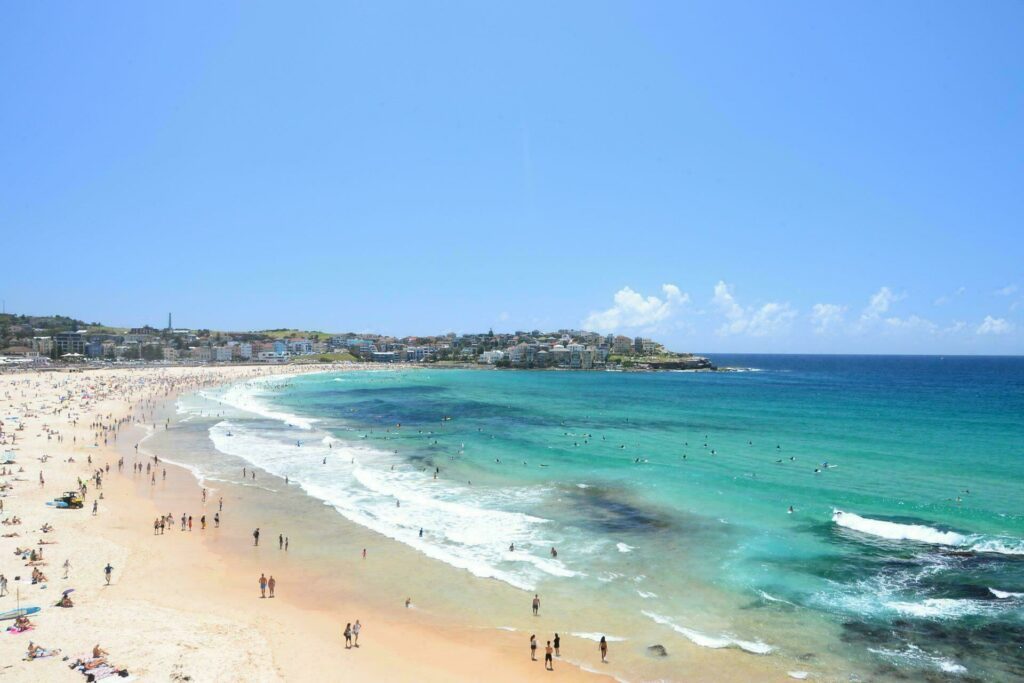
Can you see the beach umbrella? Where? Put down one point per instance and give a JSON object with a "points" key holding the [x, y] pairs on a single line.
{"points": [[69, 590]]}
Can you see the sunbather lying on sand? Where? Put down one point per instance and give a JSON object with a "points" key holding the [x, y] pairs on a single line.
{"points": [[35, 652]]}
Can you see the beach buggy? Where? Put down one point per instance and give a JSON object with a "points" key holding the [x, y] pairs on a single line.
{"points": [[70, 500]]}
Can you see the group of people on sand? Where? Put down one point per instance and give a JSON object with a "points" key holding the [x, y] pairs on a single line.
{"points": [[351, 634], [554, 649], [267, 585]]}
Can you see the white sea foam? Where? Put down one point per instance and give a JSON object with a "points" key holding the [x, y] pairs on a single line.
{"points": [[998, 546], [897, 532], [713, 642], [798, 675], [645, 595], [919, 657], [927, 534], [465, 527], [624, 547], [246, 396], [942, 608], [1005, 595], [771, 598], [596, 637]]}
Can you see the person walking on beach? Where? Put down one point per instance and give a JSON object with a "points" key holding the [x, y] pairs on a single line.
{"points": [[95, 507], [286, 544], [536, 604], [190, 522], [202, 522], [549, 663], [348, 636], [67, 567], [558, 642], [603, 645], [256, 536], [533, 648], [107, 571], [216, 520], [280, 541], [270, 585], [3, 585], [356, 628], [263, 586]]}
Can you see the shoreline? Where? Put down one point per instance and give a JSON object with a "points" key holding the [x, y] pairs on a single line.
{"points": [[205, 623], [207, 586]]}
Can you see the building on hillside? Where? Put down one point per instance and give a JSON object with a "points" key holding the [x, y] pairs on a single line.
{"points": [[70, 342], [221, 354], [622, 346], [490, 357], [44, 345], [644, 346], [200, 353], [170, 353]]}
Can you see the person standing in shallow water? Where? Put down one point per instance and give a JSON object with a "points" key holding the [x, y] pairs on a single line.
{"points": [[536, 604], [256, 536], [558, 643], [533, 648], [603, 645]]}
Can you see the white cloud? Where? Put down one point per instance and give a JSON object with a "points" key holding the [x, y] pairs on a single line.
{"points": [[827, 317], [771, 318], [992, 325], [879, 304], [946, 298], [632, 309], [1006, 291], [912, 324], [503, 316]]}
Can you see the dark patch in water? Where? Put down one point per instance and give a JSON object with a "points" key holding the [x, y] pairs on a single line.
{"points": [[991, 650], [601, 510]]}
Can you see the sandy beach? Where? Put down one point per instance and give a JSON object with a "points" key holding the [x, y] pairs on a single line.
{"points": [[186, 605], [176, 607]]}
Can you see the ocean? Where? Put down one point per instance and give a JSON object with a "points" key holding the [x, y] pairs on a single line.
{"points": [[857, 518]]}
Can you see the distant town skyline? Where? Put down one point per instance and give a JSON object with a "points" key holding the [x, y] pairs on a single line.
{"points": [[795, 178]]}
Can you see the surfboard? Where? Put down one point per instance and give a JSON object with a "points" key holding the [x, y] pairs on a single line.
{"points": [[15, 613]]}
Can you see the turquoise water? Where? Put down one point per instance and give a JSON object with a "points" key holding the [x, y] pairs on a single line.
{"points": [[668, 496]]}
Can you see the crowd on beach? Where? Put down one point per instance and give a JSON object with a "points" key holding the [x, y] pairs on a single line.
{"points": [[70, 455], [59, 430]]}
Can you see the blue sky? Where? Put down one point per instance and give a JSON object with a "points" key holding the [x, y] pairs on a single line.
{"points": [[800, 176]]}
